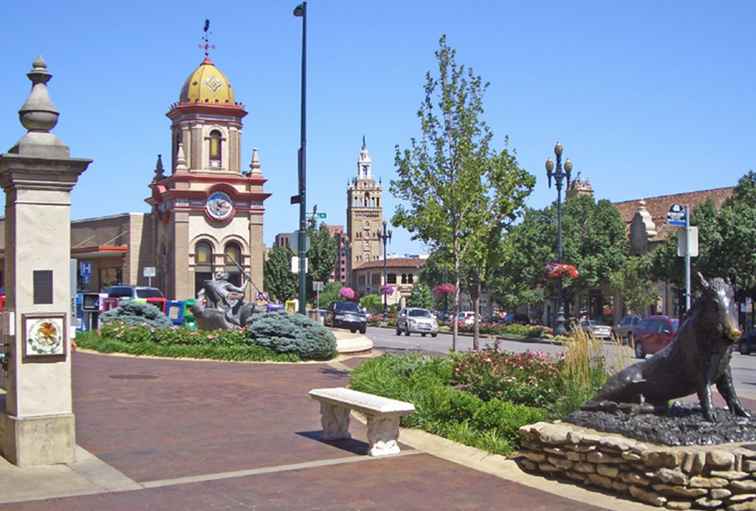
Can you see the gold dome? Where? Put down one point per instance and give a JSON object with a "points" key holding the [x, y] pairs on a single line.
{"points": [[207, 85]]}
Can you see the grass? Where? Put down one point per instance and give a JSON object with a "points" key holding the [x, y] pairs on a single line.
{"points": [[92, 341]]}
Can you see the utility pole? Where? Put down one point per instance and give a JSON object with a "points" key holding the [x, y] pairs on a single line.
{"points": [[301, 11]]}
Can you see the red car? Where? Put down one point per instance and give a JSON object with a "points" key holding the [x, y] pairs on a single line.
{"points": [[653, 334]]}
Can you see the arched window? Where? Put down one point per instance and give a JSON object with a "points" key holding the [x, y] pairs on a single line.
{"points": [[215, 148], [233, 261], [203, 264]]}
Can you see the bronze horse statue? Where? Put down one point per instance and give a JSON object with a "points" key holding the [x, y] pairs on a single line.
{"points": [[698, 356]]}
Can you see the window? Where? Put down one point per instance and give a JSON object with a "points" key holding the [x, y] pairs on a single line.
{"points": [[410, 277], [203, 264], [233, 261], [110, 276], [215, 148], [404, 278], [391, 278]]}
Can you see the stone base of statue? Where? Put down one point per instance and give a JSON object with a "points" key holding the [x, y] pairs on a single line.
{"points": [[713, 476]]}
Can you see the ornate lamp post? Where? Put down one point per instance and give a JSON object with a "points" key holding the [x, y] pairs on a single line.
{"points": [[559, 174], [384, 236]]}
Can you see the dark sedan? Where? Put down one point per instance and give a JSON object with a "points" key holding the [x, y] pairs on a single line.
{"points": [[346, 315], [747, 343]]}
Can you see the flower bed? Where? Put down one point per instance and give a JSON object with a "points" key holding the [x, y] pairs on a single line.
{"points": [[273, 337]]}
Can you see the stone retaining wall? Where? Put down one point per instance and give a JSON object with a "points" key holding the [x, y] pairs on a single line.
{"points": [[691, 477]]}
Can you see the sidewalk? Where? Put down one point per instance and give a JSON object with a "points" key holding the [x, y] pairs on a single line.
{"points": [[194, 435]]}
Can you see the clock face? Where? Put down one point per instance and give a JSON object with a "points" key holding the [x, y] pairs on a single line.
{"points": [[219, 206]]}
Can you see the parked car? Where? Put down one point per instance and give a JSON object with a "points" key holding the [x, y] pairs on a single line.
{"points": [[596, 329], [624, 329], [653, 334], [416, 320], [466, 318], [747, 343], [518, 318], [347, 315], [147, 294]]}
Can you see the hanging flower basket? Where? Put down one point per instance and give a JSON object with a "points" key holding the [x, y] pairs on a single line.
{"points": [[556, 270], [444, 289], [348, 293], [388, 290]]}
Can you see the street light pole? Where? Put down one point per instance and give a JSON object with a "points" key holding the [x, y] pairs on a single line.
{"points": [[559, 175], [385, 237], [301, 11]]}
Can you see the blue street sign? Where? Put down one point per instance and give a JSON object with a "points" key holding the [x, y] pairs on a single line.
{"points": [[677, 215], [85, 269]]}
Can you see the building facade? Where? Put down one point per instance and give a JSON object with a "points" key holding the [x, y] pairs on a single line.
{"points": [[206, 213], [364, 215], [402, 273]]}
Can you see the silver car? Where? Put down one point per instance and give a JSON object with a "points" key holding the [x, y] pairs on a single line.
{"points": [[596, 329], [416, 320]]}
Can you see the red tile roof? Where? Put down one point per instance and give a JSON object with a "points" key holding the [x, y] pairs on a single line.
{"points": [[394, 262]]}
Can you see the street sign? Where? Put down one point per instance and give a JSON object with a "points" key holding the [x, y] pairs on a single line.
{"points": [[294, 242], [676, 216], [85, 269], [295, 264], [149, 271], [317, 285], [687, 242], [322, 216]]}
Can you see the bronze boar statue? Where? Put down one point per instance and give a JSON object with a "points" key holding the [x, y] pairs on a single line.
{"points": [[698, 356]]}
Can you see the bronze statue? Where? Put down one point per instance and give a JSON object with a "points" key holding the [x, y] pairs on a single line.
{"points": [[698, 356], [220, 305]]}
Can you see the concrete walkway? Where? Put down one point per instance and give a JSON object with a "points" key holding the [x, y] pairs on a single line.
{"points": [[167, 434]]}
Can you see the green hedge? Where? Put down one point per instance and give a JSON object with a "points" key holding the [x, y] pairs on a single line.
{"points": [[440, 408], [136, 345]]}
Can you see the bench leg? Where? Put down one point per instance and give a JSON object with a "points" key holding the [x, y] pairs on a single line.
{"points": [[383, 433], [335, 420]]}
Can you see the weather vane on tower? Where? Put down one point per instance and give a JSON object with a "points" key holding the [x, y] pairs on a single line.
{"points": [[206, 39]]}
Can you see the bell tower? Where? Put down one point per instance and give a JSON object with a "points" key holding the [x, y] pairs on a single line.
{"points": [[364, 213]]}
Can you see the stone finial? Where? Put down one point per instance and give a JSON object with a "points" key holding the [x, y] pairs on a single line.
{"points": [[159, 170], [255, 163], [180, 158], [648, 221], [39, 116]]}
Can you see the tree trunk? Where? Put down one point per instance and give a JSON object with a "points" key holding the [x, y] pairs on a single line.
{"points": [[476, 309], [456, 300]]}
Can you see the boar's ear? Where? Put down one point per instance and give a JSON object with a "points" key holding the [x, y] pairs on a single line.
{"points": [[704, 282]]}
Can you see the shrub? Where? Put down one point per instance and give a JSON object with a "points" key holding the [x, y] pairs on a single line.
{"points": [[292, 333], [528, 378], [137, 313], [372, 302]]}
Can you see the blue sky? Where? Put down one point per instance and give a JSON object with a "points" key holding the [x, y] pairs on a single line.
{"points": [[648, 97]]}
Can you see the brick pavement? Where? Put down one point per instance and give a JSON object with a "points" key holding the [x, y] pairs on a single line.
{"points": [[162, 419]]}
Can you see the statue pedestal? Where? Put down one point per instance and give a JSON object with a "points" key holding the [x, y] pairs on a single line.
{"points": [[698, 476]]}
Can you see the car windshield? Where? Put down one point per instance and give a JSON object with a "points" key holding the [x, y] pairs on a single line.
{"points": [[119, 292], [419, 313], [149, 292], [346, 307]]}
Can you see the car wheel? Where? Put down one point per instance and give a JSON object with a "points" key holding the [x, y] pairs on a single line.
{"points": [[423, 335], [639, 352], [744, 348], [352, 330], [398, 332], [363, 329], [434, 335], [407, 332]]}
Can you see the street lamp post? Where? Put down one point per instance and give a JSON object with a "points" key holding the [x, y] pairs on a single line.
{"points": [[384, 236], [559, 174], [301, 198]]}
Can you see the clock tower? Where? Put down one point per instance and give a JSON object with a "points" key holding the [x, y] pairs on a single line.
{"points": [[207, 212], [364, 214]]}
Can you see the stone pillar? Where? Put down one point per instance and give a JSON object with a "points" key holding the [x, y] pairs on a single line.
{"points": [[37, 174]]}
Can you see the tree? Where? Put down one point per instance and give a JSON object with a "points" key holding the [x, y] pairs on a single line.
{"points": [[420, 297], [322, 254], [634, 282], [451, 172], [280, 282], [372, 302], [330, 294]]}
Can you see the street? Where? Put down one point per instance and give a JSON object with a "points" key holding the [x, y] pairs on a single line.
{"points": [[743, 367]]}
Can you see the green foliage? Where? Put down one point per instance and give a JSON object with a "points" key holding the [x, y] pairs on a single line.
{"points": [[457, 192], [372, 302], [138, 341], [441, 409], [322, 254], [133, 312], [293, 333], [421, 297], [634, 282], [280, 282], [330, 294]]}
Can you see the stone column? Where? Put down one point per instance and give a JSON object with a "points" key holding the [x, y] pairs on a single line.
{"points": [[37, 174]]}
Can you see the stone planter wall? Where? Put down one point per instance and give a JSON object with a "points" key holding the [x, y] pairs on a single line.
{"points": [[691, 477]]}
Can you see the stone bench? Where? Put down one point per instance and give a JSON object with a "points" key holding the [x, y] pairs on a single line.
{"points": [[382, 417]]}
